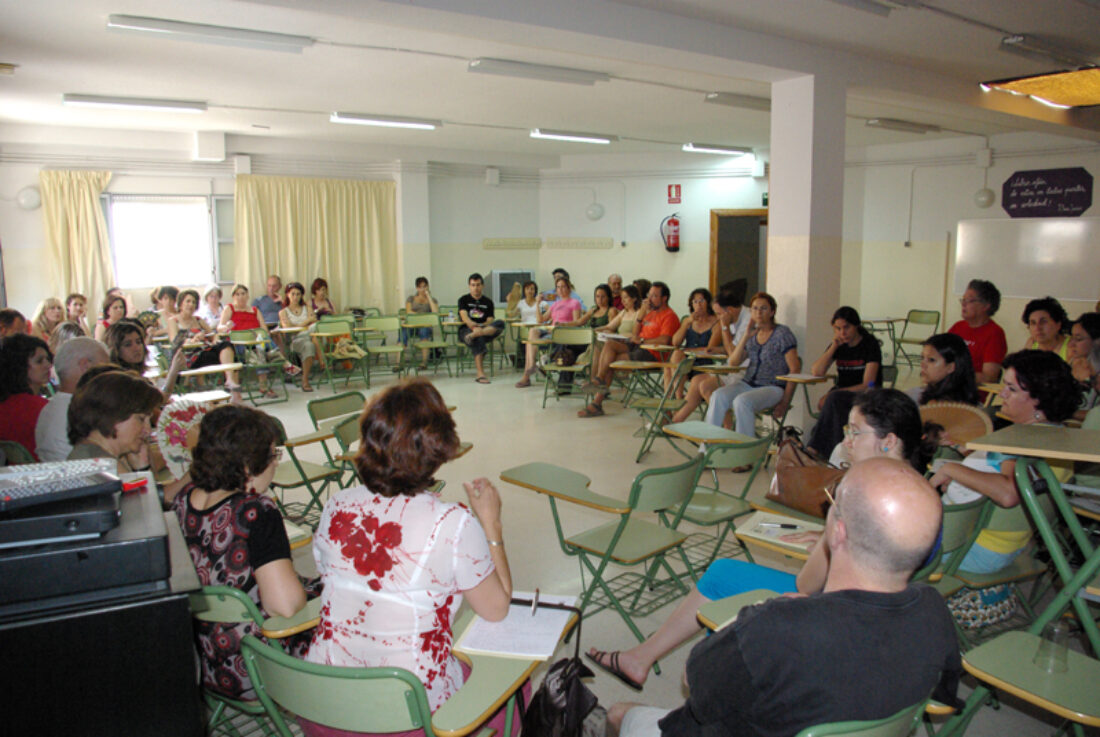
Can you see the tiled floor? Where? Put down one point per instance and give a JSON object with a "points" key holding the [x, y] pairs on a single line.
{"points": [[507, 427]]}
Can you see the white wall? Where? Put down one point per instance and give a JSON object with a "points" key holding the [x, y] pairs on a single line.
{"points": [[463, 211], [942, 179], [633, 191]]}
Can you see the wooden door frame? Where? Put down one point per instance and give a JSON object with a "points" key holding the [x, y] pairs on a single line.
{"points": [[762, 213]]}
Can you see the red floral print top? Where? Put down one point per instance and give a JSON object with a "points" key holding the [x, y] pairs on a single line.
{"points": [[393, 572]]}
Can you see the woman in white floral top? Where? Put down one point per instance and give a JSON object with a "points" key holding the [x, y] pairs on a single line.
{"points": [[395, 560]]}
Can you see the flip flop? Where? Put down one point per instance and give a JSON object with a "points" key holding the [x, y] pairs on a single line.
{"points": [[613, 668], [482, 379], [523, 383], [307, 388]]}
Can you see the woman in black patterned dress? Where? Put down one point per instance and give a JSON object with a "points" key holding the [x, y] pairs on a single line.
{"points": [[236, 537]]}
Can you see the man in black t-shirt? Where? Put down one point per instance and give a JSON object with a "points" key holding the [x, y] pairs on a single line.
{"points": [[478, 326], [866, 647]]}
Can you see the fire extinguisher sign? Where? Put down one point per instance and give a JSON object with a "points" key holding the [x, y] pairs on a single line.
{"points": [[674, 194]]}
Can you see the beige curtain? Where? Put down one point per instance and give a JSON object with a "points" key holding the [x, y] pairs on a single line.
{"points": [[342, 230], [77, 233]]}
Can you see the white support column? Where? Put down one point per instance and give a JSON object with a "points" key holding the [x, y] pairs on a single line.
{"points": [[805, 210], [413, 233]]}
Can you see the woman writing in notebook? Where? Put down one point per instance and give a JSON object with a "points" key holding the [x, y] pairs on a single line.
{"points": [[395, 560]]}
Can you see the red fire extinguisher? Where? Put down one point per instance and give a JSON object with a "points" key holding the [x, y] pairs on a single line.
{"points": [[670, 232]]}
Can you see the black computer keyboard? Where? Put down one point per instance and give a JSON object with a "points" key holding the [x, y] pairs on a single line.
{"points": [[39, 483]]}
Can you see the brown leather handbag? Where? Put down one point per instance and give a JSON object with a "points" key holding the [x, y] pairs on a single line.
{"points": [[801, 476]]}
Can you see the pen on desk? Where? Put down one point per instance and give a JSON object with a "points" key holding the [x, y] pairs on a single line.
{"points": [[781, 525], [535, 602]]}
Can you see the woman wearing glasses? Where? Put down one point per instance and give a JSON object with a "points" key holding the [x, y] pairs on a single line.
{"points": [[883, 423], [236, 537]]}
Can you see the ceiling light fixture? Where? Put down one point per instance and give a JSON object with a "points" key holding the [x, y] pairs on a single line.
{"points": [[1077, 88], [543, 72], [1037, 48], [386, 121], [224, 35], [879, 7], [902, 125], [715, 148], [732, 99], [143, 103], [556, 135]]}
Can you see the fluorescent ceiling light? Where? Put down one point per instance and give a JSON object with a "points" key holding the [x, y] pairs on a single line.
{"points": [[572, 136], [714, 148], [734, 100], [879, 7], [1061, 89], [902, 125], [544, 72], [386, 121], [143, 103], [225, 35], [1039, 49]]}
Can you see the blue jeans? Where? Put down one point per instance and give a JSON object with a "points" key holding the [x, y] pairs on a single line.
{"points": [[421, 333], [746, 401]]}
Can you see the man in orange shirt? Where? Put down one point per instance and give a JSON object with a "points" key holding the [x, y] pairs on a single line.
{"points": [[656, 325]]}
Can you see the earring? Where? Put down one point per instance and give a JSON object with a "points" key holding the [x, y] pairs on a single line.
{"points": [[886, 449], [1038, 415]]}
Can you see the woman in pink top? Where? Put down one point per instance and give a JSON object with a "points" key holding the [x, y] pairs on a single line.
{"points": [[565, 311], [395, 560]]}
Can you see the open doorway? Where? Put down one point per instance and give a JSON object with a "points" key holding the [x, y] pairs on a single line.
{"points": [[738, 243]]}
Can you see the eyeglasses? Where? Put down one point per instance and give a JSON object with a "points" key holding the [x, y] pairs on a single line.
{"points": [[851, 432], [965, 302], [277, 456]]}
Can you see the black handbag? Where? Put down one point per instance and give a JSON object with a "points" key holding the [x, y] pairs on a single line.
{"points": [[563, 706]]}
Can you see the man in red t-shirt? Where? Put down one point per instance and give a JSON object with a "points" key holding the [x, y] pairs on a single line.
{"points": [[984, 338], [656, 325]]}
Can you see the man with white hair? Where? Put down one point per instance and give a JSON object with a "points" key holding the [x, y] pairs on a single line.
{"points": [[615, 282], [74, 357], [866, 647]]}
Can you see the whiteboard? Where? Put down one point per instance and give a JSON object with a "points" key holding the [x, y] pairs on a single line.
{"points": [[1031, 257]]}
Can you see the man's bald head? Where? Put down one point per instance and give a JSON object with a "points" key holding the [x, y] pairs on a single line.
{"points": [[891, 516]]}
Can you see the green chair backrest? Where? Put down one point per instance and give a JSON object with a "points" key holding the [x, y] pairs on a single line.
{"points": [[347, 434], [388, 324], [901, 724], [334, 406], [732, 455], [889, 375], [665, 488], [224, 604], [1092, 419], [336, 324], [422, 320], [15, 454], [573, 336], [923, 317], [372, 312], [354, 699], [961, 525]]}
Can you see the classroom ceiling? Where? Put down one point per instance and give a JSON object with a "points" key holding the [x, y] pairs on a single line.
{"points": [[410, 58]]}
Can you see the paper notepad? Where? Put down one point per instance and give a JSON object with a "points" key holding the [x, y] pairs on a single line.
{"points": [[611, 336], [519, 635], [761, 526]]}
